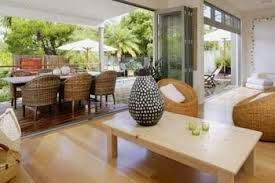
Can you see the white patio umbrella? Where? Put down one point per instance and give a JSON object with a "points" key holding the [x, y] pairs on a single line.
{"points": [[218, 35], [85, 46]]}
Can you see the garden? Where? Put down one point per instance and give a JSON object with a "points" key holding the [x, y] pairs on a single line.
{"points": [[131, 35]]}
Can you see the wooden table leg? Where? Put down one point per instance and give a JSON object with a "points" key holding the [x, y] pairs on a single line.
{"points": [[14, 96], [224, 177], [111, 145], [249, 165]]}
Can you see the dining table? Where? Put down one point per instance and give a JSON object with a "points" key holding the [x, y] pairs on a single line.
{"points": [[18, 82]]}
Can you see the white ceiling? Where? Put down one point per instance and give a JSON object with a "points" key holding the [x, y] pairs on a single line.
{"points": [[252, 5], [87, 12]]}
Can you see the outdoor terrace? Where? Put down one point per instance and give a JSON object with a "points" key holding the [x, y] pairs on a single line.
{"points": [[61, 115]]}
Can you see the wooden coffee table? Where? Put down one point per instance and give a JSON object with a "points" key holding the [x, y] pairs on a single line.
{"points": [[222, 151]]}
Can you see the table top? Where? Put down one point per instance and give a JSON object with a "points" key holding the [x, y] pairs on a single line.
{"points": [[223, 146], [25, 79]]}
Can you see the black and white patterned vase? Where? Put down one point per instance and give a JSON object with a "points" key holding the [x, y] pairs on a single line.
{"points": [[146, 103]]}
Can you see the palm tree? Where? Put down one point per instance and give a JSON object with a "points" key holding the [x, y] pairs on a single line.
{"points": [[123, 40]]}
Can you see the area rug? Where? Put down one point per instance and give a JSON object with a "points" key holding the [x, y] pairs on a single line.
{"points": [[232, 97]]}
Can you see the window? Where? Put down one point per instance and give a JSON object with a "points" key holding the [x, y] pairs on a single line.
{"points": [[216, 17], [227, 20], [207, 11]]}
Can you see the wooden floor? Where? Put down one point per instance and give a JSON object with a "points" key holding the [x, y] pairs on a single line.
{"points": [[77, 155], [58, 115]]}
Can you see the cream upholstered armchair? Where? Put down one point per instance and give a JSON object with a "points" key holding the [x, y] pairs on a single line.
{"points": [[10, 134], [189, 107]]}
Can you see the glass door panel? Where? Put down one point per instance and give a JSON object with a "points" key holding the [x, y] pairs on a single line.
{"points": [[170, 47]]}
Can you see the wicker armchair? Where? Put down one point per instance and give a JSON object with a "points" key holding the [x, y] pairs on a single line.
{"points": [[10, 137], [41, 91], [105, 84], [257, 113], [17, 73], [190, 107], [77, 88]]}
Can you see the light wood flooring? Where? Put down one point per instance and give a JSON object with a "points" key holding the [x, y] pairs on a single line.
{"points": [[77, 154]]}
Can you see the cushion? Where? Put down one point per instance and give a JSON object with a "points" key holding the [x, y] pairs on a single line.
{"points": [[171, 92], [261, 82], [257, 87]]}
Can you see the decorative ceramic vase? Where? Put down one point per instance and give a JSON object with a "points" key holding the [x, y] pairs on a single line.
{"points": [[146, 103]]}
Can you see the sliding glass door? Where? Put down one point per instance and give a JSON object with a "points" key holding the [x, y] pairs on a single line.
{"points": [[173, 48]]}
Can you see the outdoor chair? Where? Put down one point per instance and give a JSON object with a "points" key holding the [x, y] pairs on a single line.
{"points": [[77, 88], [189, 107], [17, 73], [41, 91], [209, 79], [104, 86], [10, 137]]}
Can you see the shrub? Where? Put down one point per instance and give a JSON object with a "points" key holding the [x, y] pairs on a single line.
{"points": [[224, 61]]}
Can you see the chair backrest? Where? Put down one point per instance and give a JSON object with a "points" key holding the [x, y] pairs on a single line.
{"points": [[41, 91], [19, 73], [216, 71], [10, 132], [105, 83], [182, 87], [77, 87]]}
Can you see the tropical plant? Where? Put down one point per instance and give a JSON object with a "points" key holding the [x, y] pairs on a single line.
{"points": [[224, 62], [123, 40], [140, 22]]}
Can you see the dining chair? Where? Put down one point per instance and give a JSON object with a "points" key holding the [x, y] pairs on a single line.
{"points": [[41, 91], [18, 94], [104, 86], [77, 88]]}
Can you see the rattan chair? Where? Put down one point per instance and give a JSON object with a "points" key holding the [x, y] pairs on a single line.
{"points": [[104, 85], [77, 88], [17, 73], [10, 137], [257, 113], [41, 91], [189, 107]]}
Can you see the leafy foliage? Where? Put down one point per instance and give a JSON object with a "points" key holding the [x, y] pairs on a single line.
{"points": [[36, 37], [225, 62], [123, 40], [140, 22]]}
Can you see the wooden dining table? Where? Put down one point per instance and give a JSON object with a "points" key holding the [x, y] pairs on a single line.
{"points": [[17, 82]]}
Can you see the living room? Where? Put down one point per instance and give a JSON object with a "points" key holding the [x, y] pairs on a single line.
{"points": [[169, 131]]}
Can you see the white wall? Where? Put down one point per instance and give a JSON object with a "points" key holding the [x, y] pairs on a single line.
{"points": [[247, 32], [209, 60], [264, 50]]}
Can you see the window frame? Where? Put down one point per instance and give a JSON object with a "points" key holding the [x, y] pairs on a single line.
{"points": [[235, 22]]}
